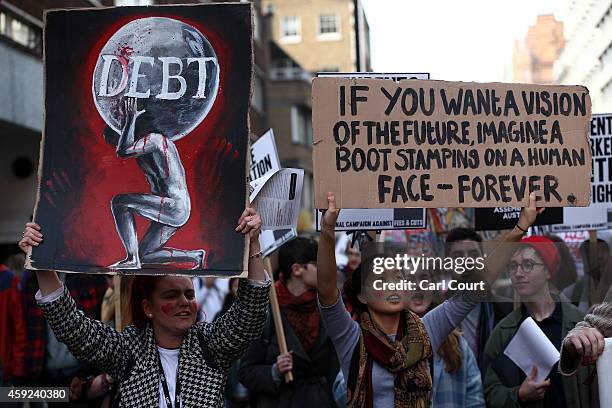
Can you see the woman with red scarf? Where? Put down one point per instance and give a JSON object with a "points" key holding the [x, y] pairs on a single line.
{"points": [[312, 358], [384, 355]]}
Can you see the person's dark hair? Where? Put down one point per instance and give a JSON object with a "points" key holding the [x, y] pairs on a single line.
{"points": [[352, 286], [566, 275], [462, 234], [228, 301], [142, 288], [585, 247], [352, 289], [300, 250]]}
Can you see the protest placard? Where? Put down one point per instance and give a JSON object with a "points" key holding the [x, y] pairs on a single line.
{"points": [[501, 218], [264, 161], [598, 215], [264, 156], [271, 240], [277, 197], [144, 160], [379, 219], [385, 144], [372, 218]]}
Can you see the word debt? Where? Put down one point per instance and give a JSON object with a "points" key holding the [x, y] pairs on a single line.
{"points": [[142, 66], [504, 188]]}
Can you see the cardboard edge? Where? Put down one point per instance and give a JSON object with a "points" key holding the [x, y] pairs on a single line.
{"points": [[247, 159], [41, 158], [151, 6]]}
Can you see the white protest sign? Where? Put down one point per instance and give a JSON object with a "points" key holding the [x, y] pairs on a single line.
{"points": [[264, 156], [598, 215], [386, 218], [604, 375], [264, 161], [278, 198], [271, 240], [379, 219]]}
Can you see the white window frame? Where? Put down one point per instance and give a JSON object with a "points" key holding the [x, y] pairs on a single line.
{"points": [[331, 36], [291, 38]]}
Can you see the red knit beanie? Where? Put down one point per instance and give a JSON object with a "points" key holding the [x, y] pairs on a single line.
{"points": [[546, 249]]}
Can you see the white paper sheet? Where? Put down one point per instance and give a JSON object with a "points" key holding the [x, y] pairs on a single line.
{"points": [[278, 199], [530, 347], [604, 375]]}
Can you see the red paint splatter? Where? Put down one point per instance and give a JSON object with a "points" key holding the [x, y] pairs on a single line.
{"points": [[161, 205], [65, 178], [165, 146], [144, 142], [161, 231], [126, 51], [49, 199], [167, 308]]}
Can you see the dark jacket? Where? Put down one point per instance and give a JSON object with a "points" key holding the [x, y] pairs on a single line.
{"points": [[314, 372], [87, 292], [130, 356], [12, 326], [498, 395], [491, 313]]}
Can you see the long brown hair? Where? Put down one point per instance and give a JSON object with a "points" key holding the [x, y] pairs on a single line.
{"points": [[450, 351], [142, 288]]}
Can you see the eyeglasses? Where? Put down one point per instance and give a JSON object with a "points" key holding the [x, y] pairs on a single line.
{"points": [[526, 266]]}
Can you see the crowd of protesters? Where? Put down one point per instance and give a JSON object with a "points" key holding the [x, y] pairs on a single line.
{"points": [[349, 345]]}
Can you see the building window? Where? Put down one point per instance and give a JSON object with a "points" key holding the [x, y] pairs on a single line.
{"points": [[257, 26], [291, 30], [330, 68], [329, 27], [258, 94], [307, 193], [20, 32], [301, 125]]}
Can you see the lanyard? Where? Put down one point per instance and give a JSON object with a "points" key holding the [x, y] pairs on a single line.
{"points": [[177, 387]]}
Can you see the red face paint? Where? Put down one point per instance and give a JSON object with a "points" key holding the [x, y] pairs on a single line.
{"points": [[166, 308]]}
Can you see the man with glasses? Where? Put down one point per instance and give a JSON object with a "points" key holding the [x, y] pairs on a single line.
{"points": [[531, 268]]}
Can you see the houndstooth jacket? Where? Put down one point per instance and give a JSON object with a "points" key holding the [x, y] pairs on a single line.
{"points": [[130, 356]]}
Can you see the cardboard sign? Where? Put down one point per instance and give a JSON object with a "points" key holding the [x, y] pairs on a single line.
{"points": [[598, 215], [393, 76], [502, 218], [144, 159], [379, 219], [385, 144]]}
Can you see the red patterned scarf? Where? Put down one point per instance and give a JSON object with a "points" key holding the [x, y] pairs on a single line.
{"points": [[302, 313]]}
